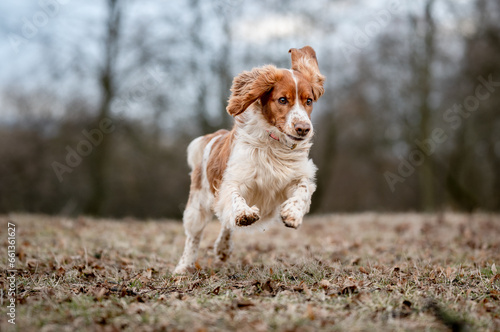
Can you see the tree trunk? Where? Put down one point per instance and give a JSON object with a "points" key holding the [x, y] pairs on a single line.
{"points": [[100, 155], [423, 70]]}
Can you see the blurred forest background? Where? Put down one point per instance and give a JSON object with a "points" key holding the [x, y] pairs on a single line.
{"points": [[99, 99]]}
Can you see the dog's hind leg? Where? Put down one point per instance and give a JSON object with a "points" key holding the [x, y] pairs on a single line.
{"points": [[223, 245], [195, 218]]}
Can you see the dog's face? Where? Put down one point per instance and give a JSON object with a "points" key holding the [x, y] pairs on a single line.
{"points": [[286, 96], [288, 105]]}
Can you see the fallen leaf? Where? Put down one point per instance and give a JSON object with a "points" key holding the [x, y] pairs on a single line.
{"points": [[88, 273], [175, 296], [99, 293], [32, 263], [405, 311], [194, 284], [324, 284], [448, 272], [306, 289], [124, 261], [310, 312], [21, 254], [268, 286], [490, 307], [146, 276], [242, 304], [127, 292], [351, 289], [61, 271], [136, 308], [363, 270], [402, 228], [493, 268]]}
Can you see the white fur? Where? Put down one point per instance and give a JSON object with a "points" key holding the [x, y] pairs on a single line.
{"points": [[264, 179], [198, 210], [297, 114], [261, 170], [193, 152]]}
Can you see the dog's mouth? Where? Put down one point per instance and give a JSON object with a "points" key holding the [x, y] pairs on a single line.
{"points": [[298, 139], [291, 140]]}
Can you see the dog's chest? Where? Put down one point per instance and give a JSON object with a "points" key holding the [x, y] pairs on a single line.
{"points": [[265, 172]]}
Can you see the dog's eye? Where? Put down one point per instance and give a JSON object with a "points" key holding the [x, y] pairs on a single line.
{"points": [[309, 101], [282, 100]]}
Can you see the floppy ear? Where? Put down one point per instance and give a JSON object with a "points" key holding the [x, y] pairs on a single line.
{"points": [[304, 61], [250, 86]]}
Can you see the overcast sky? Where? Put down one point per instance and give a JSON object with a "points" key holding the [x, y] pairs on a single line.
{"points": [[34, 33]]}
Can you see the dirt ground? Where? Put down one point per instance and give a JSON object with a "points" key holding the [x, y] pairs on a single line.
{"points": [[359, 272]]}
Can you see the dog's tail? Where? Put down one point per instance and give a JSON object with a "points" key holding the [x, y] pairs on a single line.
{"points": [[195, 152]]}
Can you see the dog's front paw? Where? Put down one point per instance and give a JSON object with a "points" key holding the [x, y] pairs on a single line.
{"points": [[247, 216], [290, 214]]}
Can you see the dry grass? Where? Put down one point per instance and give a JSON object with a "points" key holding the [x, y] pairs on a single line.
{"points": [[339, 272]]}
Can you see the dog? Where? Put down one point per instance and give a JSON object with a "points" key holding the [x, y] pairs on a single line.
{"points": [[260, 170]]}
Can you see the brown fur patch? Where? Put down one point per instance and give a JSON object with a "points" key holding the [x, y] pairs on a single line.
{"points": [[197, 174], [219, 156], [196, 178], [249, 86], [207, 138]]}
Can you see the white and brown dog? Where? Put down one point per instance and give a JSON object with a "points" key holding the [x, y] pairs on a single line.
{"points": [[260, 170]]}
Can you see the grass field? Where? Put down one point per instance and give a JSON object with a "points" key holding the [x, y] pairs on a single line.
{"points": [[364, 272]]}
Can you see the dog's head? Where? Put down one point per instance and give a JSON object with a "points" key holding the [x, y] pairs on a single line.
{"points": [[286, 96]]}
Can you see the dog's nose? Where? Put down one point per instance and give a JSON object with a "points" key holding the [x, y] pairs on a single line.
{"points": [[302, 128]]}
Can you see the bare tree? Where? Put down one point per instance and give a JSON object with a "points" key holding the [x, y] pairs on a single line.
{"points": [[421, 61], [222, 62], [107, 87]]}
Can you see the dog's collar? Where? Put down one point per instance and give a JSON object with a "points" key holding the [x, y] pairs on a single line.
{"points": [[276, 138]]}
